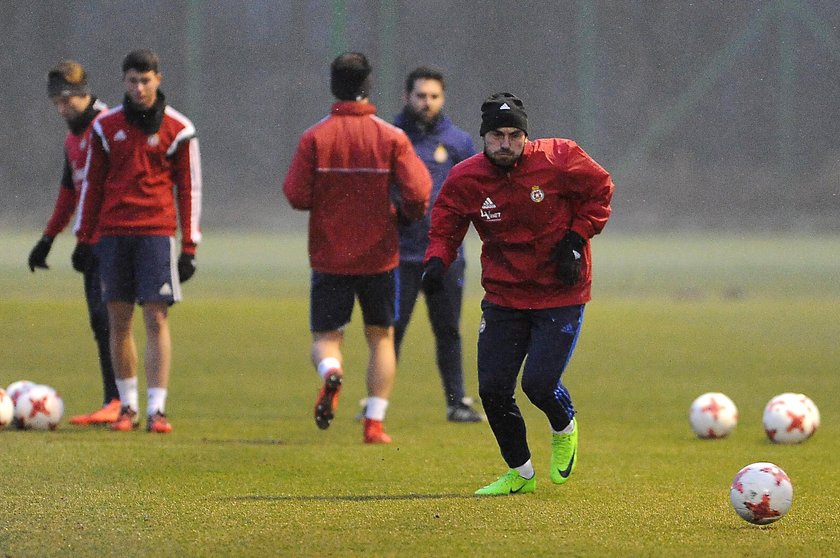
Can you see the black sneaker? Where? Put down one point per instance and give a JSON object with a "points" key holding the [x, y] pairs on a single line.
{"points": [[461, 412]]}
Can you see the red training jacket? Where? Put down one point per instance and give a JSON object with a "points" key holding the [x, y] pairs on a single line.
{"points": [[131, 179], [75, 156], [342, 173], [520, 214]]}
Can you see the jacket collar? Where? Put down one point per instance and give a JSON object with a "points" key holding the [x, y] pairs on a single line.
{"points": [[352, 108], [148, 120]]}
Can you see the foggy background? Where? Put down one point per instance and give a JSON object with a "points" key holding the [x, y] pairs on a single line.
{"points": [[710, 115]]}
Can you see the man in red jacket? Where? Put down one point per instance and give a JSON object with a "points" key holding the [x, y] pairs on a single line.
{"points": [[535, 205], [68, 90], [342, 173], [143, 178]]}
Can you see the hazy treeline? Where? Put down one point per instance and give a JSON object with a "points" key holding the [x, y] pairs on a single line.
{"points": [[711, 114]]}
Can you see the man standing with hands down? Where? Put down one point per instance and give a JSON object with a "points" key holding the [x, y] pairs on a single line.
{"points": [[441, 145], [535, 205], [342, 173], [143, 178]]}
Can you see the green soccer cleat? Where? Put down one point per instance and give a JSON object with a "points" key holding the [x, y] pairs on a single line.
{"points": [[509, 483], [564, 455]]}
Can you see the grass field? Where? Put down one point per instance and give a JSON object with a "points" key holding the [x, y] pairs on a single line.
{"points": [[247, 473]]}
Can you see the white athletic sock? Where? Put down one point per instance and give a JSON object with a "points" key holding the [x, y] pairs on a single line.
{"points": [[327, 365], [156, 401], [127, 389], [376, 408], [568, 430], [526, 470]]}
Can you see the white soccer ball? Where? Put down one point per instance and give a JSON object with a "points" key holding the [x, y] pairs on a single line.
{"points": [[713, 415], [39, 408], [7, 409], [789, 419], [761, 493], [16, 388], [812, 408]]}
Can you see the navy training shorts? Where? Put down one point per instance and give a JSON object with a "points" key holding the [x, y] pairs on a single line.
{"points": [[139, 269]]}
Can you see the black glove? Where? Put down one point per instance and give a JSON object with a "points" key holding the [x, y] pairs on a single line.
{"points": [[82, 257], [568, 253], [38, 255], [186, 267], [433, 272], [402, 220]]}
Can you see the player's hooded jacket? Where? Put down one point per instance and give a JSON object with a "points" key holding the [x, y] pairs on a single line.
{"points": [[520, 214], [75, 155], [342, 173], [441, 147], [138, 160]]}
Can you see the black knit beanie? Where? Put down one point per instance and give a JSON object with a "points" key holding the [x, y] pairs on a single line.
{"points": [[503, 110]]}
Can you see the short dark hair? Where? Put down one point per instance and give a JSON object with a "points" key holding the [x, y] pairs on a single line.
{"points": [[423, 72], [142, 60], [350, 76]]}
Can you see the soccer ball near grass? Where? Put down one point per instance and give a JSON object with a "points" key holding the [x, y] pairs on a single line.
{"points": [[812, 408], [39, 408], [713, 415], [16, 388], [7, 409], [761, 493], [790, 418]]}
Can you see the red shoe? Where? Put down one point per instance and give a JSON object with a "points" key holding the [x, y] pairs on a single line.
{"points": [[107, 414], [375, 433], [327, 401], [127, 421], [158, 424]]}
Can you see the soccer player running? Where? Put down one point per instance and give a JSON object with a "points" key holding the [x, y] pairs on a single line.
{"points": [[440, 145], [535, 205], [342, 174], [68, 89], [143, 178]]}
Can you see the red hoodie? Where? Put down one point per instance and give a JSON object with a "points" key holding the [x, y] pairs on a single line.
{"points": [[342, 173], [520, 214]]}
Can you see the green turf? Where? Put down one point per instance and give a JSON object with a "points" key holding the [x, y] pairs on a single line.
{"points": [[247, 473]]}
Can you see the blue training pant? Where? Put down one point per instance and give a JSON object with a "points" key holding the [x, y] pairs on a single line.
{"points": [[444, 308], [507, 336]]}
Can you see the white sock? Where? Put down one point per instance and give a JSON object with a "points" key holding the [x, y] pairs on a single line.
{"points": [[376, 408], [156, 400], [328, 365], [526, 470], [568, 430], [127, 389]]}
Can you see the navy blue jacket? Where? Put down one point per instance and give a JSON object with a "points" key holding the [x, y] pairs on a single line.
{"points": [[440, 148]]}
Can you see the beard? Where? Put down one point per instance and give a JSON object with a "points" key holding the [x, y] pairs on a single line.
{"points": [[423, 117], [504, 158]]}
